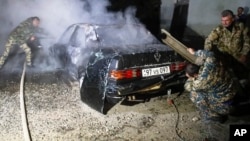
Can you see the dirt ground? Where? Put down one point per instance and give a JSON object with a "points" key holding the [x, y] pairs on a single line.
{"points": [[56, 113]]}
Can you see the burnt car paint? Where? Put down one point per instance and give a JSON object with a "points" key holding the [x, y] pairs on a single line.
{"points": [[90, 51]]}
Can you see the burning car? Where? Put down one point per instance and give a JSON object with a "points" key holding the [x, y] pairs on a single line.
{"points": [[114, 63]]}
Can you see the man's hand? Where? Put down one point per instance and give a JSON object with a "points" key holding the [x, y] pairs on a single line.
{"points": [[189, 77], [191, 51], [32, 38]]}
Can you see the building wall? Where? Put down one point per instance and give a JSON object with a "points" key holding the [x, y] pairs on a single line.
{"points": [[204, 15]]}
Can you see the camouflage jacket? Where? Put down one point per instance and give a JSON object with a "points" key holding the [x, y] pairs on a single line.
{"points": [[212, 79], [23, 32], [235, 43]]}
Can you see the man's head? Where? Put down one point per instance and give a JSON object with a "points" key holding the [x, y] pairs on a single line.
{"points": [[227, 18], [35, 21], [240, 10], [192, 70]]}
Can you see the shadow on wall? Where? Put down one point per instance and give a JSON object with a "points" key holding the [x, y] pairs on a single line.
{"points": [[246, 10], [179, 20], [181, 32], [193, 39]]}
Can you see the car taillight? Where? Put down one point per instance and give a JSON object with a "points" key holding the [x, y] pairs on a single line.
{"points": [[178, 66], [125, 74]]}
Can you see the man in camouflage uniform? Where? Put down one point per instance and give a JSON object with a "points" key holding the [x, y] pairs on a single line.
{"points": [[210, 85], [230, 37], [20, 36]]}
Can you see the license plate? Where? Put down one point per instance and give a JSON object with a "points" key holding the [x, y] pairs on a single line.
{"points": [[155, 71]]}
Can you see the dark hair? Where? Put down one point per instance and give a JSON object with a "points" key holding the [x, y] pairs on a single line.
{"points": [[226, 13], [192, 69], [35, 18], [241, 8]]}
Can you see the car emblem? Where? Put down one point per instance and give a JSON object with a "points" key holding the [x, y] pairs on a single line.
{"points": [[157, 56]]}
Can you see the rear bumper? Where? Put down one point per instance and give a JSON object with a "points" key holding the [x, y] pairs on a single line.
{"points": [[103, 97], [150, 88]]}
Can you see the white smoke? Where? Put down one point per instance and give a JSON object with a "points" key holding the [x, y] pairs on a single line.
{"points": [[57, 15]]}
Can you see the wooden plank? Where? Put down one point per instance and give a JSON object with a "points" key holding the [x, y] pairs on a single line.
{"points": [[177, 46]]}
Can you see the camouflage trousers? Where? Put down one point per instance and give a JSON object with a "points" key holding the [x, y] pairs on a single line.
{"points": [[210, 106], [9, 45]]}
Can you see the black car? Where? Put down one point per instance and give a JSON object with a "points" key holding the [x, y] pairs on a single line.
{"points": [[118, 62]]}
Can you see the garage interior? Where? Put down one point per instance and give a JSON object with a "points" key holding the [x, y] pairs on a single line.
{"points": [[53, 106]]}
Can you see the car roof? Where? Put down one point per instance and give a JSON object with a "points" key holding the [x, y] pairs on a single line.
{"points": [[121, 34]]}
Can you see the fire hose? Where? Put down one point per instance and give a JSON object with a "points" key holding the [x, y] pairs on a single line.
{"points": [[26, 131]]}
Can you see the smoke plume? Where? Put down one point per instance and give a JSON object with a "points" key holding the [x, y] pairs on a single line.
{"points": [[57, 15]]}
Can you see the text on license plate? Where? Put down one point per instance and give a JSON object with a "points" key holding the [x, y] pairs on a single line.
{"points": [[155, 71]]}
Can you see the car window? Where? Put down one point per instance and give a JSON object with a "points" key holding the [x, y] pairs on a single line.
{"points": [[78, 37], [66, 36]]}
